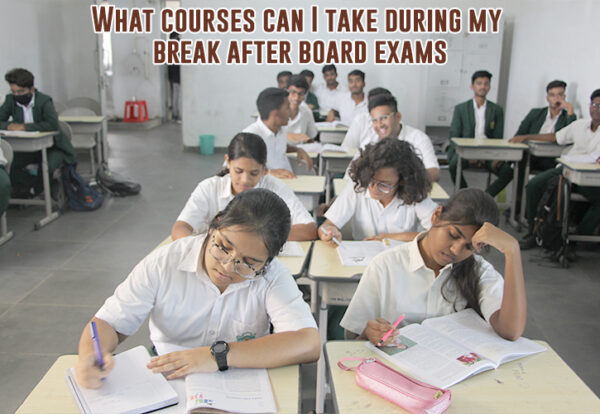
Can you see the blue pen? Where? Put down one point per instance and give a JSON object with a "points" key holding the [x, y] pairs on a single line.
{"points": [[96, 342]]}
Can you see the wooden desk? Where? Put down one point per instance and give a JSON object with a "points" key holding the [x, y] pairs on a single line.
{"points": [[308, 188], [541, 383], [32, 142], [538, 149], [88, 125], [52, 395], [332, 162], [490, 150], [437, 192]]}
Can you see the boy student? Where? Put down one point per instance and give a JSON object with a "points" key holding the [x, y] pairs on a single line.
{"points": [[32, 110], [274, 110], [585, 137], [301, 126], [479, 118], [4, 183], [361, 131], [328, 93], [311, 99], [349, 104], [282, 78]]}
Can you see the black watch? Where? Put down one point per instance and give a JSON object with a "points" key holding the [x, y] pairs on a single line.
{"points": [[219, 350]]}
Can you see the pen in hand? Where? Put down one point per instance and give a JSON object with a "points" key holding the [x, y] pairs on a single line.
{"points": [[335, 240], [96, 342], [388, 333]]}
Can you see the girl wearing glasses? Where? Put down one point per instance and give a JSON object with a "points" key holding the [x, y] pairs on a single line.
{"points": [[389, 198], [438, 273], [245, 159], [216, 294]]}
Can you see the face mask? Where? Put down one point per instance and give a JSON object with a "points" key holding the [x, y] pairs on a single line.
{"points": [[23, 99]]}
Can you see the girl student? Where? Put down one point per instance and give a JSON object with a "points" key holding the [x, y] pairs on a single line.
{"points": [[389, 198], [438, 273], [245, 160], [215, 294]]}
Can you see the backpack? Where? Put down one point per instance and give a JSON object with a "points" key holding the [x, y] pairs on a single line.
{"points": [[114, 183], [548, 224], [79, 194]]}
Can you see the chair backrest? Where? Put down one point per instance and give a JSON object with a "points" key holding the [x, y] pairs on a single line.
{"points": [[7, 151], [59, 106], [87, 103], [65, 129]]}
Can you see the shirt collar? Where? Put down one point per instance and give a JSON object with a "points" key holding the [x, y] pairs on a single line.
{"points": [[190, 259], [415, 260], [479, 108], [31, 103], [267, 130], [227, 193]]}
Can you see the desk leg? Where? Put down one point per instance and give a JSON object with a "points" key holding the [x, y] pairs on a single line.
{"points": [[327, 184], [522, 219], [458, 174], [50, 216], [321, 391], [99, 147], [5, 235], [513, 203]]}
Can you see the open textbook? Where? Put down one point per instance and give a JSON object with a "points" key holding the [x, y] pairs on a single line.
{"points": [[360, 253], [446, 350]]}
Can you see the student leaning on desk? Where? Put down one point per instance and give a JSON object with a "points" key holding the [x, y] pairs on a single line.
{"points": [[216, 294], [245, 169], [437, 274], [32, 110]]}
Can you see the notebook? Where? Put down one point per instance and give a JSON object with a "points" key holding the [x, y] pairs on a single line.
{"points": [[131, 388], [360, 253]]}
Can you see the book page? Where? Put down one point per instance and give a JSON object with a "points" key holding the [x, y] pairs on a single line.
{"points": [[432, 358], [359, 253], [18, 133], [469, 329], [236, 390], [291, 249], [130, 387]]}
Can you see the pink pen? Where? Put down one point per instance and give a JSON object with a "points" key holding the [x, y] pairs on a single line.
{"points": [[388, 333]]}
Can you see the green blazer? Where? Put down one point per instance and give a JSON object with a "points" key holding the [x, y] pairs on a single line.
{"points": [[45, 118], [463, 120], [537, 116]]}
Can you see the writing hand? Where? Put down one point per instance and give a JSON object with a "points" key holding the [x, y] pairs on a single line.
{"points": [[377, 328], [88, 374]]}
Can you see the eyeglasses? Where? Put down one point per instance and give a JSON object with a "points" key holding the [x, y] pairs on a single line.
{"points": [[381, 118], [383, 187], [595, 106], [243, 269]]}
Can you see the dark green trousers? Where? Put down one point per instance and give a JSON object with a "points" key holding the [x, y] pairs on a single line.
{"points": [[4, 190], [535, 191], [504, 172], [22, 180]]}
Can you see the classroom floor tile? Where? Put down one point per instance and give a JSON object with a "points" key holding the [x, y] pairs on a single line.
{"points": [[18, 281]]}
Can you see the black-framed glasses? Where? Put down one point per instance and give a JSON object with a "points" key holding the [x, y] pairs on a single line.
{"points": [[243, 269]]}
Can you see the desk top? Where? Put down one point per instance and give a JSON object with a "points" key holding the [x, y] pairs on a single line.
{"points": [[580, 166], [306, 184], [52, 395], [329, 128], [541, 383], [350, 152], [85, 119], [326, 264], [487, 143], [293, 263], [27, 134], [437, 192]]}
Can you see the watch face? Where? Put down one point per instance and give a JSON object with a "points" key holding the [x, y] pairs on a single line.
{"points": [[220, 347]]}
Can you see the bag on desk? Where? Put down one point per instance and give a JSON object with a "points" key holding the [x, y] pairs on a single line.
{"points": [[548, 223], [414, 396], [114, 183], [80, 195]]}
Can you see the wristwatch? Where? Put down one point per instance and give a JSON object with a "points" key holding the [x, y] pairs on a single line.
{"points": [[219, 350]]}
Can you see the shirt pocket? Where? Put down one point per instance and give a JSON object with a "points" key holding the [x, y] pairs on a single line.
{"points": [[248, 329]]}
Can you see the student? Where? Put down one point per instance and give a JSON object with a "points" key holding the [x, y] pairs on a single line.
{"points": [[387, 122], [282, 78], [31, 110], [301, 126], [311, 99], [225, 286], [389, 198], [361, 131], [479, 118], [174, 76], [585, 137], [274, 110], [245, 160], [4, 183], [437, 274], [349, 105], [328, 93]]}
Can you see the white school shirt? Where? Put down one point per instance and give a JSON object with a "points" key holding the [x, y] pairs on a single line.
{"points": [[214, 193], [28, 110], [187, 309], [348, 109], [549, 124], [369, 217], [397, 282], [479, 119], [580, 134], [304, 123], [361, 132], [328, 97], [276, 144]]}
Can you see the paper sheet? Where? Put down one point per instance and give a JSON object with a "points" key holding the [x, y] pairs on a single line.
{"points": [[291, 249]]}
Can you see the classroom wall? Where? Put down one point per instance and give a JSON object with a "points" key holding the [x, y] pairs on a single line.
{"points": [[53, 40]]}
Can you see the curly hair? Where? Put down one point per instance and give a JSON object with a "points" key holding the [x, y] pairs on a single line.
{"points": [[397, 154]]}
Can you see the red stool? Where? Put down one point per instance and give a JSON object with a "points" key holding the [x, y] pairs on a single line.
{"points": [[135, 111]]}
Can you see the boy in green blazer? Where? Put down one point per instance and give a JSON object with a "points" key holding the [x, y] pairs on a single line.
{"points": [[32, 110], [479, 118]]}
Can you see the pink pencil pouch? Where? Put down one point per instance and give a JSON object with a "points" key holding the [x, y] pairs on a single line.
{"points": [[414, 396]]}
